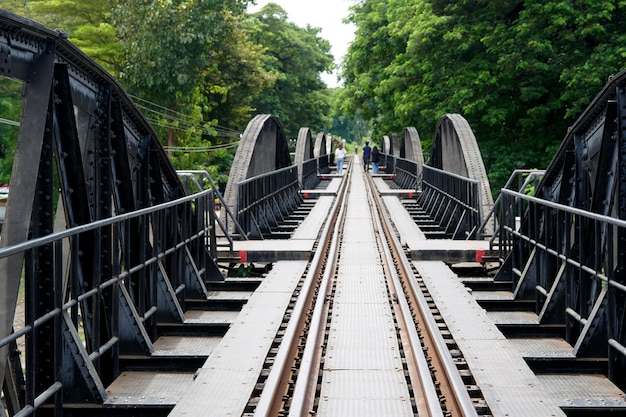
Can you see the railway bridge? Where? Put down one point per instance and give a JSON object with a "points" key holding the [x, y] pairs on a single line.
{"points": [[125, 292]]}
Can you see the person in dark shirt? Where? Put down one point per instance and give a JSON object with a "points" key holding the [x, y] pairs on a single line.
{"points": [[367, 151], [375, 160]]}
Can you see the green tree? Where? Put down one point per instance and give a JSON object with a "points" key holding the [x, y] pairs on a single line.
{"points": [[296, 56], [88, 24], [10, 115], [518, 71]]}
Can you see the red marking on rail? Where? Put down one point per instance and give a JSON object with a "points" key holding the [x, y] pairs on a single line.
{"points": [[306, 194], [323, 177], [479, 255], [410, 194], [243, 256]]}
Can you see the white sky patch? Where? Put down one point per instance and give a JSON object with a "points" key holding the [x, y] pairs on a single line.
{"points": [[324, 14]]}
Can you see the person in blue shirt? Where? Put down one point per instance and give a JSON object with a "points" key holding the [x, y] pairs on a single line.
{"points": [[367, 152], [375, 160]]}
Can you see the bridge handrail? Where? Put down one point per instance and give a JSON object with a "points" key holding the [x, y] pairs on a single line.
{"points": [[524, 178], [523, 220], [406, 175], [265, 200], [310, 170], [389, 162], [453, 200], [194, 175], [162, 246], [97, 224]]}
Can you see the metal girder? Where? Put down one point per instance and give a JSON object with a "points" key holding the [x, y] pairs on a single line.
{"points": [[411, 148], [98, 290], [455, 150], [321, 154], [568, 252], [305, 152], [262, 150]]}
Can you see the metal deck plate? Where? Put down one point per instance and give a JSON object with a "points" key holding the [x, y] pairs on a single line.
{"points": [[225, 382], [363, 371], [229, 295], [185, 346], [269, 250], [364, 393], [312, 224], [583, 391], [201, 316], [543, 348], [512, 317], [508, 385], [493, 295], [147, 388], [409, 231]]}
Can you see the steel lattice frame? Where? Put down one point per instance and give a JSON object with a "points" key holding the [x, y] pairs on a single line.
{"points": [[307, 171], [321, 154], [83, 141], [455, 150], [587, 174], [262, 150]]}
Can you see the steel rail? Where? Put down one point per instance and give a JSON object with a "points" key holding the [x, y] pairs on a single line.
{"points": [[271, 400], [417, 363], [304, 388], [451, 385]]}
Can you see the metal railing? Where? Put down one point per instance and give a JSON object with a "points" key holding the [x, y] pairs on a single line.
{"points": [[571, 262], [82, 313], [521, 180], [310, 179], [323, 164], [406, 175], [389, 162], [264, 201], [452, 201], [198, 180]]}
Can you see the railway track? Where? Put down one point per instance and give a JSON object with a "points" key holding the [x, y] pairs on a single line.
{"points": [[306, 374]]}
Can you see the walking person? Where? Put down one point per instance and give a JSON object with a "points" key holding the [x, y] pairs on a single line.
{"points": [[367, 151], [340, 156], [375, 160]]}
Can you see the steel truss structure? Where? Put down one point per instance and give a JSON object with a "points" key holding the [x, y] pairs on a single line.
{"points": [[263, 186], [97, 223], [567, 250]]}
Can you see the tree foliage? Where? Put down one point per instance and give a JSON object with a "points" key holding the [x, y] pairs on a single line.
{"points": [[296, 57], [10, 113], [199, 69], [519, 71]]}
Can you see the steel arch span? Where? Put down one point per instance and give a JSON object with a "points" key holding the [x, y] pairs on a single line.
{"points": [[320, 150], [411, 148], [263, 186], [455, 150], [263, 148]]}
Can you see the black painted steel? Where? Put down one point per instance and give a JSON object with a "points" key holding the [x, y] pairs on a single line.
{"points": [[565, 248], [85, 159], [452, 201], [90, 327], [263, 186], [455, 150], [266, 200], [306, 161]]}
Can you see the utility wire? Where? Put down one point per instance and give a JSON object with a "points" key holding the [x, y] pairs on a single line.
{"points": [[9, 122], [180, 117]]}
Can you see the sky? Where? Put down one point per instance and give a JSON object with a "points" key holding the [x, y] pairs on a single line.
{"points": [[324, 14]]}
